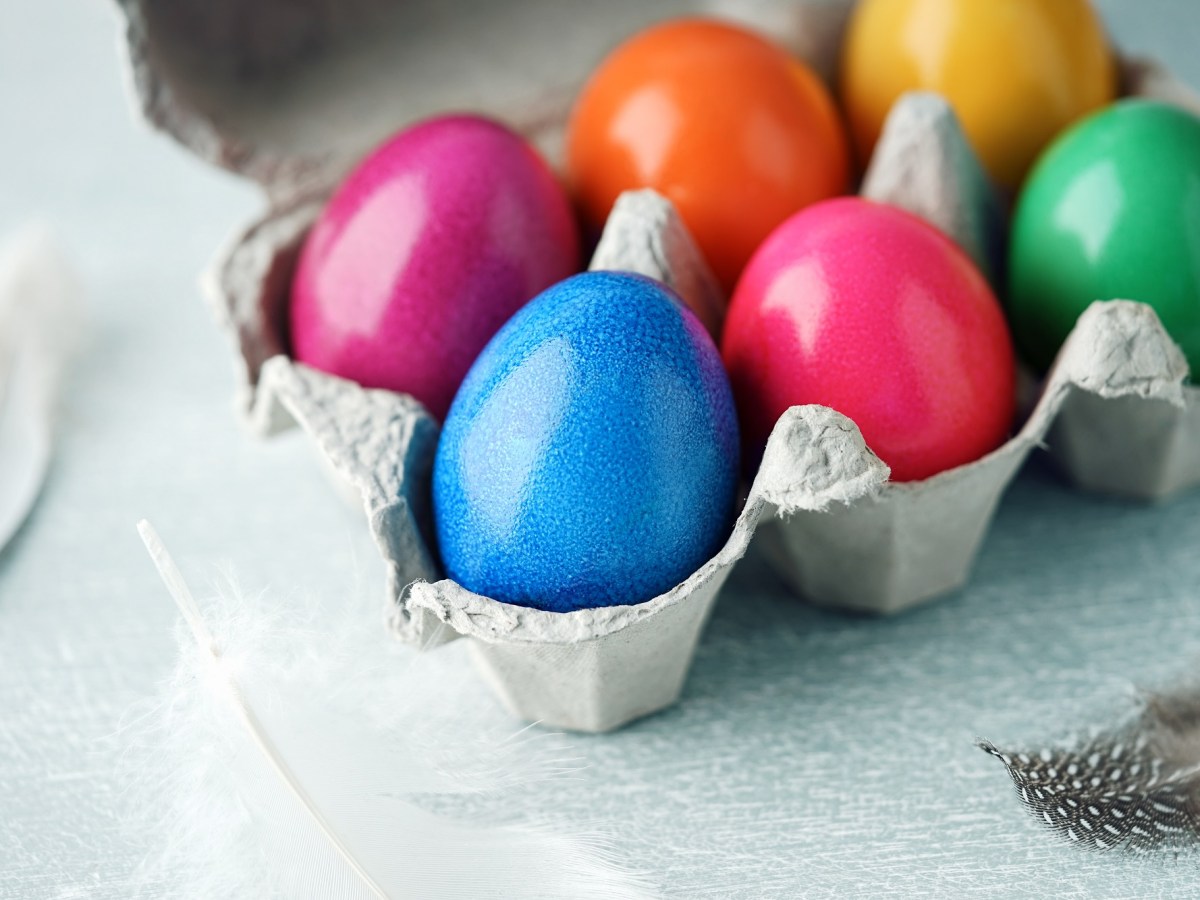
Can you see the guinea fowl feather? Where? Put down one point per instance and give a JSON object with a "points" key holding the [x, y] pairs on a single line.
{"points": [[1134, 787]]}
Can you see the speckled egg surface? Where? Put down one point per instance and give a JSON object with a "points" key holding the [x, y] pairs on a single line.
{"points": [[870, 311], [424, 251], [591, 456]]}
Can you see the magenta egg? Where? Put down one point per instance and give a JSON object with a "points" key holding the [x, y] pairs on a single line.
{"points": [[429, 246], [868, 310]]}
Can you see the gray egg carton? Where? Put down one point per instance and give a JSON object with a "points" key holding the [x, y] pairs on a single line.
{"points": [[291, 94]]}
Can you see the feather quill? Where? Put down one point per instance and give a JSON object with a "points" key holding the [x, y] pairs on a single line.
{"points": [[1132, 787], [300, 763], [39, 328]]}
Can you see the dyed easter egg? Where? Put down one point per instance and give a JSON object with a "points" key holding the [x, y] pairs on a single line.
{"points": [[591, 456], [1016, 71], [1112, 211], [424, 251], [725, 124], [870, 311]]}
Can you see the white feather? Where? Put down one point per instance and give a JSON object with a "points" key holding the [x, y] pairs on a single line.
{"points": [[301, 755], [40, 322]]}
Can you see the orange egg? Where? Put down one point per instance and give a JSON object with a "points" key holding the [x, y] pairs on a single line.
{"points": [[733, 130], [1016, 71]]}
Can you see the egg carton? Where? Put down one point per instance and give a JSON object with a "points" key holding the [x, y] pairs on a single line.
{"points": [[291, 94]]}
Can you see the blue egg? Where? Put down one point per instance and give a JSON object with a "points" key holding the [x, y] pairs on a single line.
{"points": [[590, 457]]}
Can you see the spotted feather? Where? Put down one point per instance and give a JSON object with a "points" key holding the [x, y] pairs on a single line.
{"points": [[1135, 787]]}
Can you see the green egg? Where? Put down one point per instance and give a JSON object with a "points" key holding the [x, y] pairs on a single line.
{"points": [[1110, 211]]}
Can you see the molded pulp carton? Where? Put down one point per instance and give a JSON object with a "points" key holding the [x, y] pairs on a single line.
{"points": [[291, 94]]}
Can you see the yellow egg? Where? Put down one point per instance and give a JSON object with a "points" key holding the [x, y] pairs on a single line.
{"points": [[1016, 71]]}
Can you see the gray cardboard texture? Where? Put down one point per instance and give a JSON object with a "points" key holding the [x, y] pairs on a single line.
{"points": [[248, 291], [291, 93], [592, 669], [382, 444], [596, 669], [645, 235], [1119, 445], [924, 164], [905, 543], [293, 114], [1124, 447]]}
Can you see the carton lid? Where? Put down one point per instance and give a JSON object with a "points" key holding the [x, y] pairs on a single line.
{"points": [[291, 93]]}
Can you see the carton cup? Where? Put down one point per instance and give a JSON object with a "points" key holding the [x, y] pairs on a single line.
{"points": [[292, 94]]}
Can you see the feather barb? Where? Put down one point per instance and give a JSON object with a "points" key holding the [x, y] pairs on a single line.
{"points": [[182, 595]]}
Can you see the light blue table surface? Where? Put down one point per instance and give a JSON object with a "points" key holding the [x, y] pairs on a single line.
{"points": [[812, 753]]}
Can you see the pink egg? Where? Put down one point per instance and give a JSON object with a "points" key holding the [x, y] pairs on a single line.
{"points": [[870, 311], [424, 251]]}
